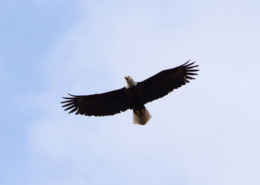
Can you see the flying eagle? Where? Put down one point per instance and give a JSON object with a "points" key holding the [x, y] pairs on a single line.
{"points": [[134, 96]]}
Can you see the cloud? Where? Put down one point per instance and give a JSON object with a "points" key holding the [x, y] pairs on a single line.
{"points": [[204, 133]]}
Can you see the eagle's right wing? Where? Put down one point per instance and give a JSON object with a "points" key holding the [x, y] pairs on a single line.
{"points": [[166, 81], [104, 104]]}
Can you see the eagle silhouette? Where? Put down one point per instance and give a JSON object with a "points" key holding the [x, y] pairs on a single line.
{"points": [[134, 96]]}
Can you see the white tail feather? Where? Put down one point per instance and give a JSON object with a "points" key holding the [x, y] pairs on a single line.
{"points": [[141, 116]]}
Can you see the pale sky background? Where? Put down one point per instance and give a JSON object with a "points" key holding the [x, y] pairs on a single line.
{"points": [[206, 133]]}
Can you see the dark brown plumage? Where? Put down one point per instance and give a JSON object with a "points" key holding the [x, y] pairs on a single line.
{"points": [[135, 96], [166, 81]]}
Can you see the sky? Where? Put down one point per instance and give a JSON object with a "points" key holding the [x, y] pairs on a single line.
{"points": [[206, 132]]}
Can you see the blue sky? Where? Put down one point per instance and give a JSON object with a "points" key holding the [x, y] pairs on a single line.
{"points": [[204, 133]]}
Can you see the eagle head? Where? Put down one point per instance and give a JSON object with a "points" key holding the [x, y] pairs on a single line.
{"points": [[129, 82]]}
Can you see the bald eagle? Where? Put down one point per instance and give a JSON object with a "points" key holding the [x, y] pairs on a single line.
{"points": [[134, 96]]}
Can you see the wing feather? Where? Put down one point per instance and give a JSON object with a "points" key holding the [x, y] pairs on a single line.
{"points": [[104, 104], [166, 81]]}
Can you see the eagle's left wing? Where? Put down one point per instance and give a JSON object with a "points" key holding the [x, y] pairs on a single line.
{"points": [[166, 81], [104, 104]]}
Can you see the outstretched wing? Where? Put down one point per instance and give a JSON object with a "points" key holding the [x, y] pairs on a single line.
{"points": [[166, 81], [97, 104]]}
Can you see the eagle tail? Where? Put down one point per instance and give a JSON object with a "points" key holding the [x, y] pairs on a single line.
{"points": [[141, 116]]}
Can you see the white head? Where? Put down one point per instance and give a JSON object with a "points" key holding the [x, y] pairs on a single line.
{"points": [[129, 82]]}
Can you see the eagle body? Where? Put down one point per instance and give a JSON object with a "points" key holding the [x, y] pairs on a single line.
{"points": [[136, 102], [134, 96]]}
